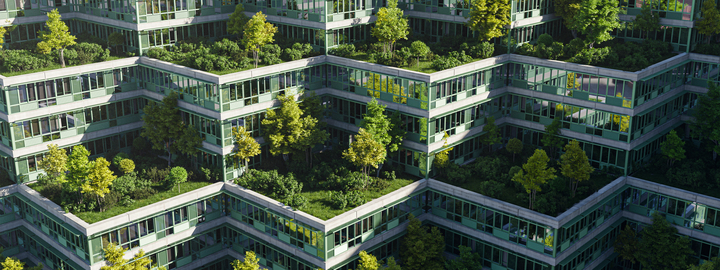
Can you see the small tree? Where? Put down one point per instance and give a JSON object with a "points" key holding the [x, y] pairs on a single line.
{"points": [[574, 164], [78, 169], [514, 146], [442, 157], [467, 260], [489, 18], [567, 9], [672, 148], [551, 139], [55, 163], [56, 37], [661, 248], [647, 20], [365, 152], [422, 250], [245, 145], [176, 176], [712, 264], [707, 117], [289, 130], [99, 180], [597, 19], [390, 25], [257, 33], [368, 262], [378, 125], [709, 25], [126, 166], [163, 127], [238, 19], [251, 262], [626, 244], [419, 49], [116, 39], [534, 174], [492, 133], [114, 254]]}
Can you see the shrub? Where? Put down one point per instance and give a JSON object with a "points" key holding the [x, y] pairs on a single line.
{"points": [[343, 50], [176, 176], [574, 47], [442, 63], [124, 185], [119, 157], [139, 145], [286, 186], [126, 166], [483, 50], [225, 47], [156, 175], [338, 199], [388, 59], [291, 55], [553, 51], [354, 198], [143, 193], [526, 49], [296, 201], [491, 188], [22, 60], [712, 49], [91, 52], [545, 39], [690, 173], [591, 56], [109, 201]]}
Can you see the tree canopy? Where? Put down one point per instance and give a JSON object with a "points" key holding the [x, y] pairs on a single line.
{"points": [[567, 9], [257, 33], [419, 49], [114, 253], [647, 20], [99, 179], [707, 118], [421, 249], [55, 163], [673, 148], [514, 146], [237, 21], [466, 261], [56, 36], [574, 164], [245, 145], [709, 25], [365, 151], [489, 18], [660, 247], [551, 139], [534, 174], [390, 25], [251, 262], [163, 127], [596, 19], [78, 167], [492, 133], [176, 176]]}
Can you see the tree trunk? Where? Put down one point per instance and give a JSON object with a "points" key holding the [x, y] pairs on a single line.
{"points": [[62, 57], [255, 55], [530, 203], [378, 169], [167, 146], [178, 184], [574, 33]]}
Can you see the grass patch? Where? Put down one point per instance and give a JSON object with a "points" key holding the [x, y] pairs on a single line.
{"points": [[54, 66], [319, 204], [425, 66], [92, 217], [224, 72]]}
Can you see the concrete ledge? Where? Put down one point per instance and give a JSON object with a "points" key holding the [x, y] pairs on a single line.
{"points": [[68, 71]]}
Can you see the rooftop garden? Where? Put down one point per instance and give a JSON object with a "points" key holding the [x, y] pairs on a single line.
{"points": [[57, 49]]}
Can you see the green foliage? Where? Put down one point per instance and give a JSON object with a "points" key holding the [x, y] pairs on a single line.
{"points": [[342, 199], [368, 262], [526, 49], [245, 145], [661, 248], [712, 264], [626, 244], [365, 151], [574, 164], [85, 53], [672, 148], [113, 254], [693, 173], [251, 262], [99, 179], [419, 50], [574, 47], [489, 18], [126, 166], [257, 33], [492, 132], [163, 127], [297, 51], [390, 25], [288, 129], [116, 39], [237, 21], [466, 261], [280, 186], [711, 49], [12, 264], [55, 163], [592, 56], [343, 50], [707, 118], [119, 157], [422, 249], [567, 9], [597, 19], [551, 139], [545, 39], [446, 62], [552, 51], [514, 146], [56, 37], [534, 174], [709, 25], [176, 176], [22, 60], [78, 167], [482, 50], [647, 20]]}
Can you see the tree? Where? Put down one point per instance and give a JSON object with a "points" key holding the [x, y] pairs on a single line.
{"points": [[99, 179], [574, 164], [390, 25], [57, 36], [492, 133], [712, 264], [535, 173], [551, 139], [163, 127], [288, 131], [489, 18], [78, 168], [647, 20], [514, 146], [672, 148], [116, 39], [626, 244], [257, 33], [368, 262], [597, 19], [114, 254], [709, 25], [126, 166], [365, 152], [707, 117], [467, 260], [245, 145], [176, 176], [422, 249], [250, 262], [238, 19], [377, 123], [419, 49], [442, 158], [55, 163], [567, 9], [661, 248]]}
